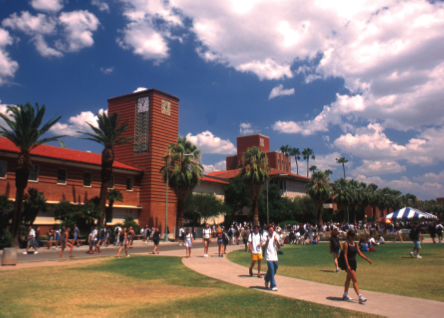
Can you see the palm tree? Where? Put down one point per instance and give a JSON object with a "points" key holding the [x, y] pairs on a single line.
{"points": [[184, 173], [342, 161], [285, 150], [26, 131], [362, 197], [108, 134], [374, 197], [112, 196], [359, 196], [254, 171], [343, 195], [319, 190], [313, 168], [308, 153], [297, 156], [5, 204], [35, 202], [328, 173]]}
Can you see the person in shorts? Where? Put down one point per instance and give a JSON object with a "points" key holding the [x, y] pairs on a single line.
{"points": [[50, 238], [255, 242], [181, 236], [76, 235], [335, 247], [188, 242], [415, 236], [156, 239], [220, 241], [31, 241], [432, 230], [439, 230], [206, 238], [123, 239], [66, 243]]}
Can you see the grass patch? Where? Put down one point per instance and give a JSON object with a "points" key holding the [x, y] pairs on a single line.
{"points": [[393, 270], [140, 286]]}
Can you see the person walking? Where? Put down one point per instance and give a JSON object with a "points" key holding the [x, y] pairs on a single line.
{"points": [[272, 241], [194, 233], [156, 239], [189, 239], [65, 243], [432, 230], [108, 233], [76, 234], [245, 235], [220, 241], [439, 230], [415, 236], [350, 251], [57, 237], [50, 238], [181, 236], [206, 238], [255, 247], [123, 241], [335, 247], [31, 241], [131, 236]]}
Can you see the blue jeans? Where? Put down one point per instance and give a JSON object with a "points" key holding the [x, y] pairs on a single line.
{"points": [[272, 269], [37, 242]]}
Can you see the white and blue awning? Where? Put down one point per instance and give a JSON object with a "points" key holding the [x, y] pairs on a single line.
{"points": [[409, 213]]}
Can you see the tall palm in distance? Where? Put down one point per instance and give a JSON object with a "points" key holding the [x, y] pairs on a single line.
{"points": [[319, 190], [285, 150], [373, 196], [362, 197], [328, 173], [297, 156], [254, 171], [313, 168], [342, 161], [184, 173], [308, 154], [26, 133], [108, 134], [343, 196]]}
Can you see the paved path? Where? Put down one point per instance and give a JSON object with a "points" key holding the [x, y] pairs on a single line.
{"points": [[378, 303]]}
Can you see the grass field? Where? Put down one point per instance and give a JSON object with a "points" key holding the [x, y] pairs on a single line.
{"points": [[140, 286], [393, 270]]}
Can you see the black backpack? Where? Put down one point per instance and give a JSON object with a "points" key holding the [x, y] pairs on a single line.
{"points": [[335, 245]]}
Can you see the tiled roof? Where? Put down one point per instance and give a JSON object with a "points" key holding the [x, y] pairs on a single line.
{"points": [[208, 179], [229, 174], [64, 154]]}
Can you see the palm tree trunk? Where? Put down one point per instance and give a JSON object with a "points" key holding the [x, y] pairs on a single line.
{"points": [[297, 168], [179, 216], [106, 173], [354, 214], [23, 167], [254, 206], [320, 221], [343, 167], [307, 167]]}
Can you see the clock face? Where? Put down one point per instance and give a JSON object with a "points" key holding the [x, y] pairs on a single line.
{"points": [[143, 104], [166, 107]]}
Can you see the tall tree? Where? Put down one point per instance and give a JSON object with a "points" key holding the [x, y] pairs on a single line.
{"points": [[236, 196], [343, 195], [342, 161], [308, 154], [313, 168], [374, 197], [184, 172], [285, 149], [113, 195], [204, 206], [319, 190], [362, 197], [26, 131], [297, 156], [328, 173], [108, 134], [359, 196], [35, 202], [254, 171]]}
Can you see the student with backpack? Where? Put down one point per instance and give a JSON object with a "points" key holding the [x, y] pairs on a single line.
{"points": [[335, 247]]}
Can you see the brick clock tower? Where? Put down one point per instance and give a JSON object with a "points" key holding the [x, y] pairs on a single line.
{"points": [[153, 121]]}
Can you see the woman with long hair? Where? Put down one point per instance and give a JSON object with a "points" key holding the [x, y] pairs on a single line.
{"points": [[206, 238], [189, 239], [220, 241], [123, 241], [65, 243], [156, 239], [350, 251]]}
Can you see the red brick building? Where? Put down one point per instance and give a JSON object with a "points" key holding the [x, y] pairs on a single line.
{"points": [[72, 175]]}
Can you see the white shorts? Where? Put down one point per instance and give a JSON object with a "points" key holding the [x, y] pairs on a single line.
{"points": [[188, 243]]}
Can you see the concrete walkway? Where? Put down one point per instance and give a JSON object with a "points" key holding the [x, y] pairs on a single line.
{"points": [[378, 303]]}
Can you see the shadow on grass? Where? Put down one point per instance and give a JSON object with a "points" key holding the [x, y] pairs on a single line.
{"points": [[327, 271], [258, 287]]}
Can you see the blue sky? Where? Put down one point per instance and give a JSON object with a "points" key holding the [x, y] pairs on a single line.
{"points": [[359, 79]]}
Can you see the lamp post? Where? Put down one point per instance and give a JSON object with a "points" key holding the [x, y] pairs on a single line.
{"points": [[166, 197], [268, 182]]}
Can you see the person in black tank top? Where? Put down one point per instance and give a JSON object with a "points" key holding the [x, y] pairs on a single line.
{"points": [[350, 251]]}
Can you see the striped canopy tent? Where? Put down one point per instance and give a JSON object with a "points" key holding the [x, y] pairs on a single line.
{"points": [[409, 213]]}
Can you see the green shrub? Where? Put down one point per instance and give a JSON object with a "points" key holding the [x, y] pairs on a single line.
{"points": [[6, 239]]}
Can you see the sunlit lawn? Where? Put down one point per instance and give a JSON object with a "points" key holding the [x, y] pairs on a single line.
{"points": [[139, 286], [393, 270]]}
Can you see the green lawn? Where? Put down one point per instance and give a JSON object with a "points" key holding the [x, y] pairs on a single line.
{"points": [[393, 270], [140, 286]]}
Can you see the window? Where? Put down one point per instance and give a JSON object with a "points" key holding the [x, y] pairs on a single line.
{"points": [[61, 176], [3, 169], [129, 184], [141, 133], [111, 183], [34, 173], [261, 142], [87, 179]]}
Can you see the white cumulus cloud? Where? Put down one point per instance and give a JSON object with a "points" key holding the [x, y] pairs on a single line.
{"points": [[47, 5], [246, 129], [102, 5], [218, 166], [280, 91], [208, 143], [375, 167], [8, 67], [76, 123]]}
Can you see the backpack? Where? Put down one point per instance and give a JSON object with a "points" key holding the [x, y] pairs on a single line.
{"points": [[335, 244]]}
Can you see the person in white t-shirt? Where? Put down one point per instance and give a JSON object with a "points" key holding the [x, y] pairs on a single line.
{"points": [[255, 242], [206, 238], [271, 243], [181, 236], [31, 241]]}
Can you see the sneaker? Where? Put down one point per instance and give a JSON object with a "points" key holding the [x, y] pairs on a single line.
{"points": [[417, 256], [274, 289], [347, 298], [362, 300], [411, 254], [36, 252], [205, 255], [127, 256], [337, 270], [25, 253], [266, 285]]}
